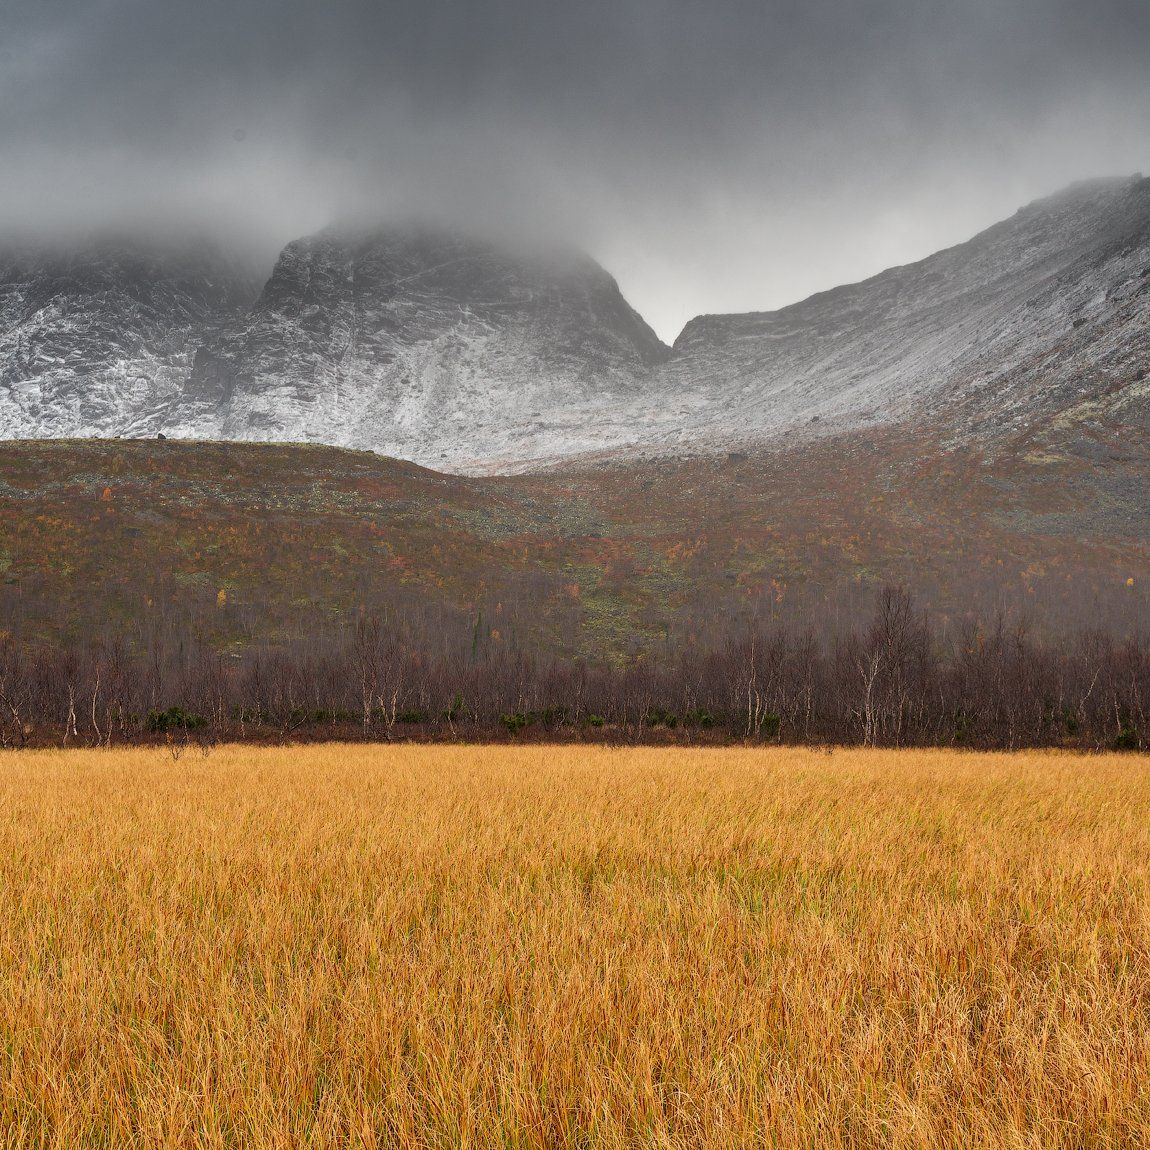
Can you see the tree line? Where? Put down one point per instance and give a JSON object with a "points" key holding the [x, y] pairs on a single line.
{"points": [[893, 679]]}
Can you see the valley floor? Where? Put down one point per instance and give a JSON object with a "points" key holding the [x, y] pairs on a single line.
{"points": [[536, 946]]}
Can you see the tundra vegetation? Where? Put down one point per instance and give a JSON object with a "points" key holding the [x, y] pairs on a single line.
{"points": [[413, 946], [236, 546]]}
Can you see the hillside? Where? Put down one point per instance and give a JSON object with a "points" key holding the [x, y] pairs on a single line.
{"points": [[250, 543]]}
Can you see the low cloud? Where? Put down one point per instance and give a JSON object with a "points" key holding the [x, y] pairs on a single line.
{"points": [[714, 156]]}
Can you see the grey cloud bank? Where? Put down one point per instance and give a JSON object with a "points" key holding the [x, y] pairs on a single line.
{"points": [[716, 157]]}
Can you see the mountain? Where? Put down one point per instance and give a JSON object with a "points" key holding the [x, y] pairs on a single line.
{"points": [[99, 339], [426, 346], [472, 357], [1041, 318]]}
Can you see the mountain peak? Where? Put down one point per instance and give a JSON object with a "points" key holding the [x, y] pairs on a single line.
{"points": [[425, 342]]}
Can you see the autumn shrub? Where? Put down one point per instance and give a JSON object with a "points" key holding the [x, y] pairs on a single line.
{"points": [[175, 719]]}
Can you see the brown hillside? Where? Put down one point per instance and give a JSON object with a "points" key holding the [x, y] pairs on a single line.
{"points": [[271, 541]]}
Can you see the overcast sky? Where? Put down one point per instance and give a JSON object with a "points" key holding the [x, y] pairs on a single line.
{"points": [[715, 155]]}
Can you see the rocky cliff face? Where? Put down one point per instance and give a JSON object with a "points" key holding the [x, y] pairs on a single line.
{"points": [[99, 340]]}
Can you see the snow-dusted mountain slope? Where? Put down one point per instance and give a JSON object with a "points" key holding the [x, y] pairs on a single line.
{"points": [[465, 356], [425, 346], [99, 340], [1033, 318]]}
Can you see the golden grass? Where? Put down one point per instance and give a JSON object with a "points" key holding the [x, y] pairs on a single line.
{"points": [[541, 947]]}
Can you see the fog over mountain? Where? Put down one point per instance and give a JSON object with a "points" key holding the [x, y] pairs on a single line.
{"points": [[716, 157]]}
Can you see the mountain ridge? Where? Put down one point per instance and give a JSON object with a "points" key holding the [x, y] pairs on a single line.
{"points": [[893, 346], [1069, 193]]}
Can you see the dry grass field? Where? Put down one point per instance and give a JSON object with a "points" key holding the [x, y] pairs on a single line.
{"points": [[551, 947]]}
